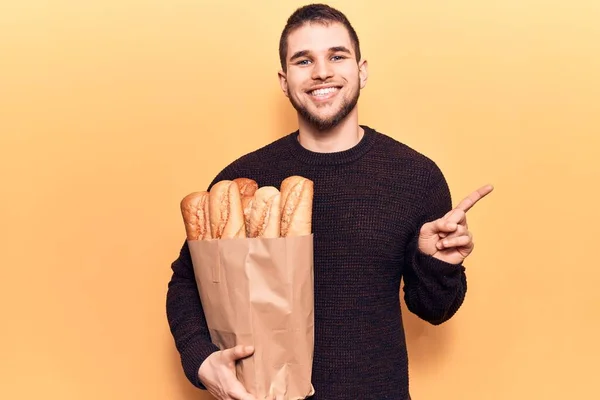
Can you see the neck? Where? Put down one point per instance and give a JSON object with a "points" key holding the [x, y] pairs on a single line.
{"points": [[343, 136]]}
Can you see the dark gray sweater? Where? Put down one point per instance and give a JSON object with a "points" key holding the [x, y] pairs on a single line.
{"points": [[369, 204]]}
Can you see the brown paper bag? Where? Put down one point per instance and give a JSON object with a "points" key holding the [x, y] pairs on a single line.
{"points": [[259, 292]]}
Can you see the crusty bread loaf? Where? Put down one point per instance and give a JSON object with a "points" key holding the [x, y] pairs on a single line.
{"points": [[225, 211], [265, 213], [228, 212], [194, 209], [246, 207], [247, 186], [296, 206]]}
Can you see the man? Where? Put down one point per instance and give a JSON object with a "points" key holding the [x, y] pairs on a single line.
{"points": [[381, 212]]}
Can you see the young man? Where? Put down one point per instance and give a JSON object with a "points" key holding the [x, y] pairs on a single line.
{"points": [[381, 212]]}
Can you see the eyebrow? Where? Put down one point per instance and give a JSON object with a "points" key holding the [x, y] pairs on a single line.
{"points": [[335, 49]]}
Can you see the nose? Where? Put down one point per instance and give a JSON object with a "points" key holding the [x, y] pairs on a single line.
{"points": [[322, 70]]}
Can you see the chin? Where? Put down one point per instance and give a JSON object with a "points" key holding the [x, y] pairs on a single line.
{"points": [[326, 116]]}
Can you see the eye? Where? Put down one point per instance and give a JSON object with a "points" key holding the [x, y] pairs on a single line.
{"points": [[303, 62], [338, 58]]}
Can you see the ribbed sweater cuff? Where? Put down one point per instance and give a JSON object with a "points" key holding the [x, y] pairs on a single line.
{"points": [[193, 356], [432, 266]]}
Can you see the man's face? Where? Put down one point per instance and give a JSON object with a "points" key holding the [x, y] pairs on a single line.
{"points": [[323, 79]]}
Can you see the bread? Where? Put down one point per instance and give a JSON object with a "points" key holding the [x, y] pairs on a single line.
{"points": [[246, 207], [240, 209], [225, 211], [194, 209], [247, 189], [296, 206], [247, 186], [265, 213]]}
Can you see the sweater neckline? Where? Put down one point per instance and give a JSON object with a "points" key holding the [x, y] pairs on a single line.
{"points": [[335, 158]]}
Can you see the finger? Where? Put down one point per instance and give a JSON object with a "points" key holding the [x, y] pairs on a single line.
{"points": [[458, 216], [448, 214], [275, 397], [459, 241], [238, 392], [474, 197], [446, 218], [247, 397], [237, 352], [459, 231], [440, 226], [454, 216]]}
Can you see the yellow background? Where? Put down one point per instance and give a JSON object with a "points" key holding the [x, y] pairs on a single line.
{"points": [[112, 111]]}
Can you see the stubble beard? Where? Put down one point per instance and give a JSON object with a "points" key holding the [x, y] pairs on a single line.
{"points": [[324, 124]]}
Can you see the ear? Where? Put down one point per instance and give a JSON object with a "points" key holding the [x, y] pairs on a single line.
{"points": [[363, 72], [283, 82]]}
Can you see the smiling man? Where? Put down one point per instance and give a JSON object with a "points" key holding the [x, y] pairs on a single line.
{"points": [[382, 212]]}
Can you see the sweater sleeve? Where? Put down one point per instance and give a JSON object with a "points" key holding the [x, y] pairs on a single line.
{"points": [[186, 318], [433, 289], [184, 310]]}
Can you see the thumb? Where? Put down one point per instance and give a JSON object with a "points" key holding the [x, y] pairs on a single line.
{"points": [[237, 352], [438, 226]]}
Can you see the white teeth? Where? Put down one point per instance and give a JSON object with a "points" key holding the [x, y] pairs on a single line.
{"points": [[323, 92]]}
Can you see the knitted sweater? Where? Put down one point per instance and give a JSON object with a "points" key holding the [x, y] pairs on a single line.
{"points": [[369, 204]]}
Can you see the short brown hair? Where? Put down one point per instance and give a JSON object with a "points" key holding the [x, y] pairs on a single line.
{"points": [[320, 13]]}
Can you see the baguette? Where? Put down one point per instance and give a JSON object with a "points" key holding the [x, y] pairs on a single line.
{"points": [[265, 213], [194, 209], [247, 189], [296, 206], [225, 211], [247, 186], [246, 208]]}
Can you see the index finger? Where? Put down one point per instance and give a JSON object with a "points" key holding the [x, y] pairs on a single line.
{"points": [[474, 197]]}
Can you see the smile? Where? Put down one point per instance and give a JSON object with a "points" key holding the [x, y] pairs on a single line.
{"points": [[324, 93]]}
